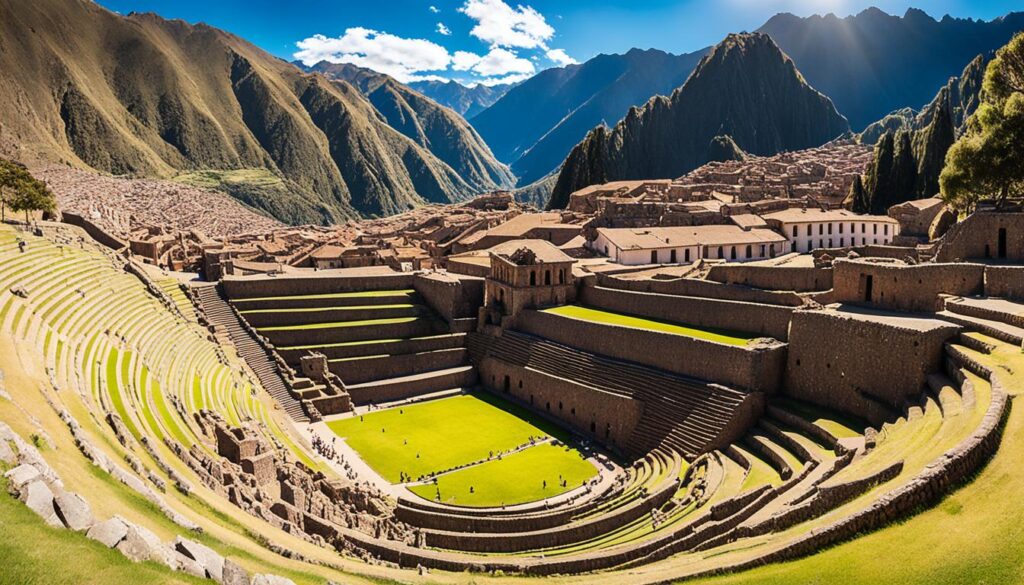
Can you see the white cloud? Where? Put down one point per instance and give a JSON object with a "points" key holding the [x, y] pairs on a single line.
{"points": [[464, 60], [444, 30], [434, 9], [561, 57], [503, 62], [501, 25], [399, 57], [515, 78]]}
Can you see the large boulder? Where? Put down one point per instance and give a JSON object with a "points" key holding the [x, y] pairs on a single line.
{"points": [[234, 574], [73, 510], [20, 476], [109, 532], [141, 544], [211, 561], [39, 498]]}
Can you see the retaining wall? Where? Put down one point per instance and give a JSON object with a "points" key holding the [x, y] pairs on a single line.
{"points": [[451, 297], [1004, 281], [860, 366], [757, 368], [95, 232], [785, 278], [240, 287], [764, 320], [901, 287], [695, 287]]}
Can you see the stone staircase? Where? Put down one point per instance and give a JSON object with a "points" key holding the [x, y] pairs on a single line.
{"points": [[684, 415], [220, 314], [998, 318]]}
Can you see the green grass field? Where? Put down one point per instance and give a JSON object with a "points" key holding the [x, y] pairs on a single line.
{"points": [[443, 433], [514, 479], [609, 318]]}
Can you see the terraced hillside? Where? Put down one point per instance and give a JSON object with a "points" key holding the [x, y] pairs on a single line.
{"points": [[114, 415]]}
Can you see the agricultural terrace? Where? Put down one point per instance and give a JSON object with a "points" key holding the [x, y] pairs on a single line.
{"points": [[610, 318], [438, 435]]}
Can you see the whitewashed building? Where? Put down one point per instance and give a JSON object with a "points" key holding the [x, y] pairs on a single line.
{"points": [[682, 245], [809, 229]]}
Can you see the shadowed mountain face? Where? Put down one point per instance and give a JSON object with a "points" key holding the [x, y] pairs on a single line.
{"points": [[745, 88], [142, 95], [436, 128], [537, 122], [467, 101], [873, 63]]}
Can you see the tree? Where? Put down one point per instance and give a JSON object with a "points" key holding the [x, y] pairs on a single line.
{"points": [[9, 176], [988, 160], [29, 194]]}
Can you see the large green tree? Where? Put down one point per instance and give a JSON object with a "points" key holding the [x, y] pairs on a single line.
{"points": [[20, 191], [988, 160]]}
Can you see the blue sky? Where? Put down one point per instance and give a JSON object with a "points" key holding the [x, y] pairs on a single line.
{"points": [[491, 41]]}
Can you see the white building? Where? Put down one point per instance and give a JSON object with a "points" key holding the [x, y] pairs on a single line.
{"points": [[808, 229], [682, 245]]}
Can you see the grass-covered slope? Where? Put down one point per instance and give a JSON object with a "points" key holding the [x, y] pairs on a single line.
{"points": [[145, 96]]}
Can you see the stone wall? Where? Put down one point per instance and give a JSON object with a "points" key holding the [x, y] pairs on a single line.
{"points": [[858, 366], [784, 278], [241, 287], [756, 368], [323, 336], [695, 287], [901, 287], [95, 232], [581, 407], [978, 237], [450, 296], [1004, 281], [764, 320], [381, 367]]}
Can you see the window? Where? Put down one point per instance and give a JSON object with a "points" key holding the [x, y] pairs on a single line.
{"points": [[808, 229], [686, 255], [821, 229], [732, 253], [794, 231], [840, 228], [830, 229], [533, 278], [547, 277], [886, 229], [830, 242], [762, 249], [561, 276], [875, 227], [821, 243], [672, 256], [853, 228], [842, 242], [863, 227], [721, 252]]}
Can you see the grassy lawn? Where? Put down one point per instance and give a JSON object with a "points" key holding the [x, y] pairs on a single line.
{"points": [[338, 324], [514, 479], [443, 433], [607, 317], [344, 295]]}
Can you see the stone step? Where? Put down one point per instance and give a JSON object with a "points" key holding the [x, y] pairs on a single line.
{"points": [[997, 329]]}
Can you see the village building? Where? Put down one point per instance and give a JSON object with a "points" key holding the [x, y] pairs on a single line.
{"points": [[333, 256], [809, 229], [686, 244], [528, 226]]}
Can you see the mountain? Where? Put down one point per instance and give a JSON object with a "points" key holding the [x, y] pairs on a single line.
{"points": [[434, 127], [535, 124], [467, 101], [144, 96], [874, 63], [910, 150], [746, 88]]}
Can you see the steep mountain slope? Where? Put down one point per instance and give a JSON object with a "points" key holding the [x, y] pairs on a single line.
{"points": [[874, 63], [144, 96], [745, 88], [537, 122], [910, 150], [438, 129], [467, 101]]}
